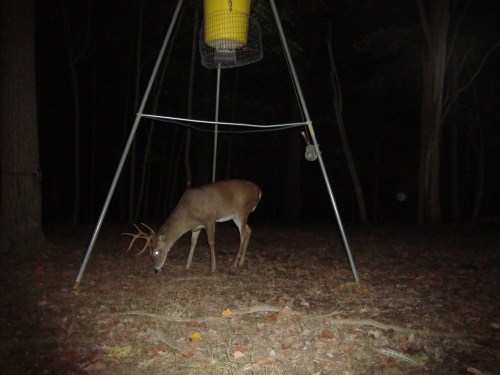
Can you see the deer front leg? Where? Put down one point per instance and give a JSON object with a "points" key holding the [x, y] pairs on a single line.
{"points": [[194, 239]]}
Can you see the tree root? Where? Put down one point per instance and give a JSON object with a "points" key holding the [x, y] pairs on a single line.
{"points": [[275, 309], [238, 312], [361, 322], [166, 318]]}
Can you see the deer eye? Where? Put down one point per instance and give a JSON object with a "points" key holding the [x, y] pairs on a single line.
{"points": [[161, 237], [156, 253]]}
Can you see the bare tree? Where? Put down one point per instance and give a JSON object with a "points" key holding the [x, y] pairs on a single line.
{"points": [[75, 53], [337, 102], [143, 195], [21, 208], [194, 45], [133, 151], [435, 22], [438, 98]]}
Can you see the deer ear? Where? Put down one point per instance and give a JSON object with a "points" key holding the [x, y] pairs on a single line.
{"points": [[161, 237]]}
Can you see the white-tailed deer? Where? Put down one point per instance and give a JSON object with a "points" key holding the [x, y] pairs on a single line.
{"points": [[201, 207]]}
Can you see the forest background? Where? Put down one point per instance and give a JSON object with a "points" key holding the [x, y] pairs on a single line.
{"points": [[403, 97]]}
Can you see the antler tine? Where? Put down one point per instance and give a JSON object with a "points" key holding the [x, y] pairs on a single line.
{"points": [[147, 226], [141, 235], [150, 240], [132, 234], [135, 237], [152, 234]]}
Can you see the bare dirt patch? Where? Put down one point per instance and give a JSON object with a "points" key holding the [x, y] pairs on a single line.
{"points": [[427, 304]]}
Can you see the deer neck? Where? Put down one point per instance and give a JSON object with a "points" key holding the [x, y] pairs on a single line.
{"points": [[173, 229]]}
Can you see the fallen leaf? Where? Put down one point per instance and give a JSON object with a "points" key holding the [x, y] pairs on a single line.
{"points": [[264, 361], [326, 334], [374, 333], [474, 371], [119, 352], [419, 358], [95, 368], [242, 348], [237, 354], [227, 313], [272, 317], [188, 352], [39, 270], [286, 345], [286, 315], [193, 337]]}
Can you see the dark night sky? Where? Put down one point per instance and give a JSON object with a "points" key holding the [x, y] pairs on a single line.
{"points": [[377, 47]]}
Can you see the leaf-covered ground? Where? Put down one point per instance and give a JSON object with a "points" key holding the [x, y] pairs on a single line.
{"points": [[428, 303]]}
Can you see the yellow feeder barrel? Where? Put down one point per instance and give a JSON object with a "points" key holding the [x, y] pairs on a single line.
{"points": [[226, 23]]}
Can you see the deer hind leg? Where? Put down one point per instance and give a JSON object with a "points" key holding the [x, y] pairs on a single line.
{"points": [[245, 233], [194, 239], [245, 245], [210, 230]]}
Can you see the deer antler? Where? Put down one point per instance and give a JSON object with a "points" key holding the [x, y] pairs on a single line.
{"points": [[150, 238]]}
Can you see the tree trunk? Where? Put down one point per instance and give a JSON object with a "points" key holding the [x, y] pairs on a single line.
{"points": [[230, 137], [455, 190], [93, 150], [73, 59], [435, 22], [429, 206], [479, 153], [146, 160], [76, 141], [133, 151], [376, 178], [122, 190], [435, 19], [187, 149], [479, 187], [337, 101], [291, 196], [21, 209]]}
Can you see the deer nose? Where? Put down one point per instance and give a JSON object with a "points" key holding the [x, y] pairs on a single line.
{"points": [[157, 270]]}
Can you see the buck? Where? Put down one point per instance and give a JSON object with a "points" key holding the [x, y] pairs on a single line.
{"points": [[201, 207]]}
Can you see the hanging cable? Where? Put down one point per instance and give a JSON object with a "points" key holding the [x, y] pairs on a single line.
{"points": [[257, 128]]}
